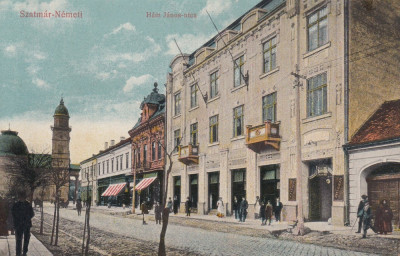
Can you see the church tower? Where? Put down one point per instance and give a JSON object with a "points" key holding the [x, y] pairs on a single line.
{"points": [[60, 143]]}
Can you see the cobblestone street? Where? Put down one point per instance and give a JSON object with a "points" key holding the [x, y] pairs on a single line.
{"points": [[118, 235]]}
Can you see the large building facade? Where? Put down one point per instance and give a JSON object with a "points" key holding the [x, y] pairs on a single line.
{"points": [[246, 136], [148, 159]]}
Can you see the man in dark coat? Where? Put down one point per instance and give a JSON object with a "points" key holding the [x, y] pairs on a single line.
{"points": [[366, 215], [359, 212], [235, 207], [22, 213], [176, 204], [157, 213], [277, 209], [3, 216], [79, 206], [243, 209], [268, 212], [145, 210], [188, 206]]}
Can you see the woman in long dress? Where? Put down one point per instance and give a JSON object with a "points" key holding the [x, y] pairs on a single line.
{"points": [[220, 209]]}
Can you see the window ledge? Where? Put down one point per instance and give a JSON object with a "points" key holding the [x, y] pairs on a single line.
{"points": [[213, 144], [269, 73], [308, 54], [177, 116], [213, 99], [314, 118], [241, 137], [194, 108], [238, 87]]}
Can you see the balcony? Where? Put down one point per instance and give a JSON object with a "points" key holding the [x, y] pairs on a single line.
{"points": [[261, 136], [142, 166], [189, 154]]}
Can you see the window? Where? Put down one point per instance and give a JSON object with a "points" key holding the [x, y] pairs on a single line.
{"points": [[177, 137], [153, 151], [127, 160], [103, 168], [177, 107], [317, 24], [238, 71], [98, 167], [120, 161], [108, 169], [213, 84], [269, 49], [159, 151], [117, 162], [238, 121], [138, 157], [193, 134], [269, 107], [112, 164], [214, 129], [193, 96], [316, 95], [145, 153]]}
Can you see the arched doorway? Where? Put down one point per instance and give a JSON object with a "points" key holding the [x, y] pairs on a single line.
{"points": [[383, 182]]}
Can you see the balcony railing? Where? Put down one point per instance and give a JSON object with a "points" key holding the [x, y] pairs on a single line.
{"points": [[142, 166], [189, 154], [260, 136]]}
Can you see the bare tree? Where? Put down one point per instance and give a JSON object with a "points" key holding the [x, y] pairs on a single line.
{"points": [[31, 171], [157, 135], [59, 177], [85, 247]]}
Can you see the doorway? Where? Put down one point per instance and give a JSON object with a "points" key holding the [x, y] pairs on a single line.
{"points": [[194, 189], [213, 189], [320, 190], [238, 184], [177, 188], [269, 183]]}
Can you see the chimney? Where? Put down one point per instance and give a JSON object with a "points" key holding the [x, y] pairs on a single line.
{"points": [[112, 143], [122, 138], [105, 145]]}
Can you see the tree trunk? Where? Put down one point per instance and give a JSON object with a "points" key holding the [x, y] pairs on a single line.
{"points": [[58, 221], [161, 246], [84, 234], [88, 230], [54, 222], [41, 219]]}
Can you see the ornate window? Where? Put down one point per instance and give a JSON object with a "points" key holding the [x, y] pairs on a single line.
{"points": [[238, 124], [177, 138], [193, 96], [214, 129], [317, 95], [317, 28], [238, 71], [177, 102], [269, 55], [193, 134], [213, 84], [269, 107]]}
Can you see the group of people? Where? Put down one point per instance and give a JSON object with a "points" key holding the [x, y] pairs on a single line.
{"points": [[173, 205], [383, 217], [16, 217], [240, 208]]}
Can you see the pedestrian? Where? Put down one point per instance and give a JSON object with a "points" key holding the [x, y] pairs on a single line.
{"points": [[383, 218], [360, 212], [257, 206], [262, 213], [79, 206], [144, 210], [366, 215], [3, 216], [243, 209], [176, 204], [235, 207], [220, 208], [169, 204], [277, 210], [268, 212], [157, 213], [188, 206], [10, 223], [22, 213]]}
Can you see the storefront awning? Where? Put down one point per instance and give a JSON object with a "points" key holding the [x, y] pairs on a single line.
{"points": [[113, 189], [145, 183]]}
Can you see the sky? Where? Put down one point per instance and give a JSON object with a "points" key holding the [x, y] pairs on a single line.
{"points": [[102, 64]]}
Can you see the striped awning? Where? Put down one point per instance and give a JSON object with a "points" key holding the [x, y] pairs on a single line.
{"points": [[145, 183], [113, 189]]}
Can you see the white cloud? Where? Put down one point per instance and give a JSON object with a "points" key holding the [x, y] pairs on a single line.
{"points": [[107, 75], [33, 69], [216, 7], [40, 83], [39, 55], [10, 50], [126, 26], [187, 43], [135, 81]]}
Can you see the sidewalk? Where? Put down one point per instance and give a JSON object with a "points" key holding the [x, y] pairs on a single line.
{"points": [[36, 248]]}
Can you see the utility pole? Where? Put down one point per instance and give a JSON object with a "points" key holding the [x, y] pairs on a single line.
{"points": [[299, 230], [133, 162]]}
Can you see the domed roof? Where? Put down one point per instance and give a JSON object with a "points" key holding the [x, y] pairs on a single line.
{"points": [[12, 144], [153, 98], [61, 109]]}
